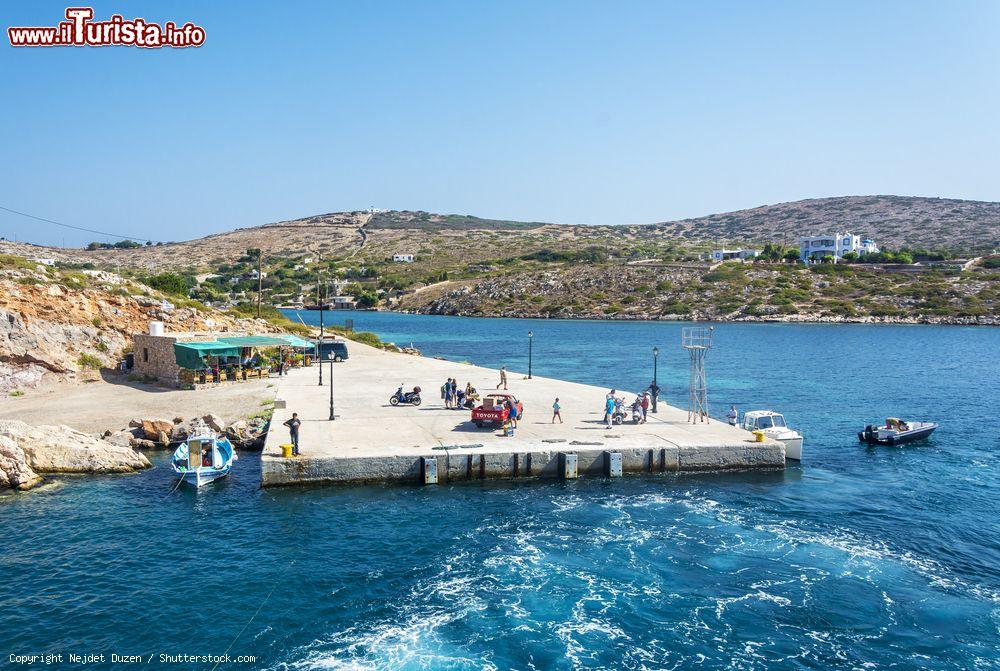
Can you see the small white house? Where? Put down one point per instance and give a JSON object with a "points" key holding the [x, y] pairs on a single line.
{"points": [[402, 258], [730, 254], [343, 302]]}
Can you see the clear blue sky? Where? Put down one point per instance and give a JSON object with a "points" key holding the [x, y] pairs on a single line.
{"points": [[577, 112]]}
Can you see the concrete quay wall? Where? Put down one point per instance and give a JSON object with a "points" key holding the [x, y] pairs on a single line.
{"points": [[464, 465]]}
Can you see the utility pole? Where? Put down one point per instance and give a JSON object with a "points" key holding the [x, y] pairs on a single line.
{"points": [[260, 279], [259, 253]]}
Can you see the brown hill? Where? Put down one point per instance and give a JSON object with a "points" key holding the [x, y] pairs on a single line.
{"points": [[893, 221]]}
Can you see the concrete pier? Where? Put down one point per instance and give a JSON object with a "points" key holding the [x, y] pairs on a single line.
{"points": [[371, 441]]}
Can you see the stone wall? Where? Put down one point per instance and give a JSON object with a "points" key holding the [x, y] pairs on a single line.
{"points": [[154, 357]]}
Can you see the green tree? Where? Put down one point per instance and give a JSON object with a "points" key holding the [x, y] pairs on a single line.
{"points": [[169, 283]]}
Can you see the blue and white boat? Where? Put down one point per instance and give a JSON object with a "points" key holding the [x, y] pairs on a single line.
{"points": [[204, 458]]}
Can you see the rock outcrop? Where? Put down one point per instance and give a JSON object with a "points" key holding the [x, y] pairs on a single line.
{"points": [[14, 469], [152, 433], [60, 449]]}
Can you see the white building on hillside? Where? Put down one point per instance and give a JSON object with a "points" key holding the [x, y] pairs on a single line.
{"points": [[730, 254], [816, 247], [402, 258]]}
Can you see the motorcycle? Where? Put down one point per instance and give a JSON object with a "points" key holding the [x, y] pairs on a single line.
{"points": [[406, 397]]}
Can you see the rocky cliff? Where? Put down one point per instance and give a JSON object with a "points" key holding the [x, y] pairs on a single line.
{"points": [[71, 324], [26, 451]]}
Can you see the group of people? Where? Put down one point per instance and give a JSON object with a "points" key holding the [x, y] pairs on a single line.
{"points": [[458, 399], [614, 405]]}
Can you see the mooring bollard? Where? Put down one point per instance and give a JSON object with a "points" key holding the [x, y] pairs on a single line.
{"points": [[614, 464], [429, 469], [568, 466]]}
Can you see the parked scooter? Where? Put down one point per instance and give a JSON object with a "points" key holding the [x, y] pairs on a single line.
{"points": [[618, 416], [405, 397], [637, 411]]}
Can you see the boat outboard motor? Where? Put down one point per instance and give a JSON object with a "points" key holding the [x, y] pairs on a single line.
{"points": [[870, 433]]}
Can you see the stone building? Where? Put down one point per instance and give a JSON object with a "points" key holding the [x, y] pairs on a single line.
{"points": [[172, 358], [154, 354]]}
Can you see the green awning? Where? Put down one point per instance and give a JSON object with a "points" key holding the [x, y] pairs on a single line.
{"points": [[255, 341], [192, 355]]}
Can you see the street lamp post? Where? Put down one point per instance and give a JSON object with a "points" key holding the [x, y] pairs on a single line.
{"points": [[319, 345], [331, 385], [530, 335], [656, 387]]}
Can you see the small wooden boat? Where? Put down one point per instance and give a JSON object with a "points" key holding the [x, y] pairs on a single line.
{"points": [[204, 458], [896, 432]]}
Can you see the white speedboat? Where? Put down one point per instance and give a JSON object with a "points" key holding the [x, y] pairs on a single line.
{"points": [[896, 432], [773, 425]]}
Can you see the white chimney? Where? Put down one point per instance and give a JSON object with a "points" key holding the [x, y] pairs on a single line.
{"points": [[155, 328]]}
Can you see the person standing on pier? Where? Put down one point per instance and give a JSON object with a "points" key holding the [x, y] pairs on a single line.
{"points": [[644, 404], [733, 416], [293, 425], [555, 412], [503, 378], [654, 389], [609, 408]]}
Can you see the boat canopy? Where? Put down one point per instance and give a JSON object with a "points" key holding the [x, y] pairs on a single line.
{"points": [[191, 355]]}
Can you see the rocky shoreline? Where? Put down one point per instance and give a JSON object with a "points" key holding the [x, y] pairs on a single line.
{"points": [[28, 451], [764, 319]]}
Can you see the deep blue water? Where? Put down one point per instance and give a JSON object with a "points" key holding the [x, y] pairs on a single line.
{"points": [[860, 558]]}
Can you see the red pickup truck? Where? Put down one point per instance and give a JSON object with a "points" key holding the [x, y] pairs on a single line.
{"points": [[493, 410]]}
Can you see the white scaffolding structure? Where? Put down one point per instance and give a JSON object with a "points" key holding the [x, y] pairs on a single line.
{"points": [[697, 340]]}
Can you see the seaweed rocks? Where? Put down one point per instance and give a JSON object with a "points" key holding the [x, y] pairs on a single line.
{"points": [[248, 434], [152, 433], [26, 451]]}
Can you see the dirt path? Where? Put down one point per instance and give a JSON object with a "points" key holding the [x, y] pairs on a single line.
{"points": [[102, 405], [437, 285], [365, 218]]}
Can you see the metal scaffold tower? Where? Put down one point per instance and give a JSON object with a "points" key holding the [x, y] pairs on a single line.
{"points": [[697, 340]]}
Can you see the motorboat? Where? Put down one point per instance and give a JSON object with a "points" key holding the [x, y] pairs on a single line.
{"points": [[203, 458], [896, 432], [772, 424]]}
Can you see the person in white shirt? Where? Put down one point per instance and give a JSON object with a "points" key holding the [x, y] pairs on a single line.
{"points": [[732, 415]]}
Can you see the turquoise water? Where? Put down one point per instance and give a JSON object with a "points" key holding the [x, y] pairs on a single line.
{"points": [[860, 558]]}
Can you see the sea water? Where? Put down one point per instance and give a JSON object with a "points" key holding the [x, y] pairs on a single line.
{"points": [[860, 557]]}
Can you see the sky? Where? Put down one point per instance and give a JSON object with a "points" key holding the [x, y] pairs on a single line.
{"points": [[572, 112]]}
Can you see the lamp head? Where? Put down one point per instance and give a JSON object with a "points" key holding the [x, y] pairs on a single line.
{"points": [[530, 334], [656, 351]]}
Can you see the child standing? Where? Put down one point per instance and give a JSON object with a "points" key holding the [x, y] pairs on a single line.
{"points": [[555, 412]]}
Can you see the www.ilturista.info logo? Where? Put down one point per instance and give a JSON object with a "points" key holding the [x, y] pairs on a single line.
{"points": [[80, 31]]}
